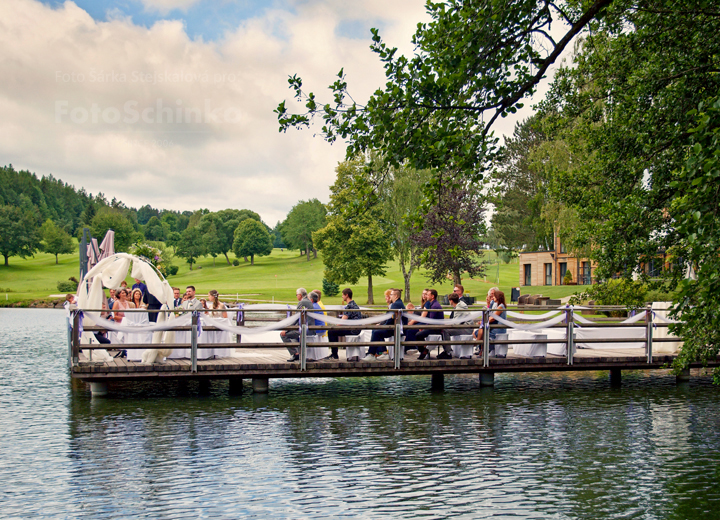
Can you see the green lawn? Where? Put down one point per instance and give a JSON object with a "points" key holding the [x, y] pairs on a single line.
{"points": [[273, 277]]}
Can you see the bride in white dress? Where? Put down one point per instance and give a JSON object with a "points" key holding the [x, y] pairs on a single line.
{"points": [[217, 311]]}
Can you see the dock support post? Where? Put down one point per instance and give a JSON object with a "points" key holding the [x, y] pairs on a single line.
{"points": [[204, 386], [260, 385], [615, 377], [235, 385], [98, 389], [683, 377], [487, 379], [437, 383]]}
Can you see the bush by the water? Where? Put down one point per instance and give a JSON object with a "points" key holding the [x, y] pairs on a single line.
{"points": [[67, 286]]}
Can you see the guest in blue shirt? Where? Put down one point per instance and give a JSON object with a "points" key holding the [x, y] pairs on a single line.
{"points": [[433, 310]]}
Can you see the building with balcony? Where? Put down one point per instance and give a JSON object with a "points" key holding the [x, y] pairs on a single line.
{"points": [[549, 267]]}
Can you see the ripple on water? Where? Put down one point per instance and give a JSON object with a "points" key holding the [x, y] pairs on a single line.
{"points": [[535, 446]]}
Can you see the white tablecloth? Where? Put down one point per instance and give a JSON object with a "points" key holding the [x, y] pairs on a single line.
{"points": [[610, 332], [137, 319], [359, 351], [463, 350], [528, 349]]}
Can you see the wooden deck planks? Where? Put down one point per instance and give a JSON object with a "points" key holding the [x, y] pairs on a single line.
{"points": [[273, 363]]}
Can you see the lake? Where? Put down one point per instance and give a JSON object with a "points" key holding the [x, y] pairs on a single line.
{"points": [[534, 446]]}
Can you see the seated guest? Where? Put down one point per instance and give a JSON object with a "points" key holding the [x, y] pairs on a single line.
{"points": [[458, 307], [490, 304], [111, 299], [433, 310], [333, 335], [381, 353], [315, 298], [121, 304], [322, 306], [411, 333], [293, 336], [499, 307], [460, 291]]}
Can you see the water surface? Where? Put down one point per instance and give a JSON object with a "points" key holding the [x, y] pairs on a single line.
{"points": [[535, 446]]}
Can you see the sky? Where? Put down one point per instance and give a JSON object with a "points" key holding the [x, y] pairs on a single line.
{"points": [[170, 102]]}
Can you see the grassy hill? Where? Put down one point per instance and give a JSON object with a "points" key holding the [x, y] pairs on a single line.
{"points": [[272, 278]]}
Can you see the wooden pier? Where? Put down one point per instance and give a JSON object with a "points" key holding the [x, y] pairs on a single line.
{"points": [[261, 362]]}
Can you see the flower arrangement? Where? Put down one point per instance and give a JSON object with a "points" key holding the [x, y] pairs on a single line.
{"points": [[151, 254]]}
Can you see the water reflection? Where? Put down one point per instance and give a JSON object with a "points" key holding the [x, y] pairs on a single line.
{"points": [[535, 446]]}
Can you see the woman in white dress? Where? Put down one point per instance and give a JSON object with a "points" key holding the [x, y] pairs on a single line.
{"points": [[217, 311], [138, 319]]}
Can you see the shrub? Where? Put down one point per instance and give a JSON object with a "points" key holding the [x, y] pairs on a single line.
{"points": [[330, 288], [172, 270], [236, 262], [67, 286], [568, 277]]}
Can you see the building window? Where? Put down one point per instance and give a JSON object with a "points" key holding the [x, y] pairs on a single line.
{"points": [[563, 270], [528, 274], [655, 268], [548, 274], [562, 247], [585, 277]]}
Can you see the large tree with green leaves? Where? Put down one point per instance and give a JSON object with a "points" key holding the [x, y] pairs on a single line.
{"points": [[19, 233], [473, 63], [115, 219], [304, 219], [355, 241], [56, 241], [252, 238], [191, 246]]}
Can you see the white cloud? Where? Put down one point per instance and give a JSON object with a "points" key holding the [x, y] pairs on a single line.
{"points": [[96, 103], [165, 6]]}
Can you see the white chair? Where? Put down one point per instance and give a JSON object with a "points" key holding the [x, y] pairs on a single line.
{"points": [[463, 351], [391, 348], [317, 353], [351, 353], [500, 350], [431, 338]]}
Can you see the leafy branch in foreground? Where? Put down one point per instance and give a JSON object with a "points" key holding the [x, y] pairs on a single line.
{"points": [[475, 62]]}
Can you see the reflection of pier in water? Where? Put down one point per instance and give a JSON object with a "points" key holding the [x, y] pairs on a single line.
{"points": [[263, 360]]}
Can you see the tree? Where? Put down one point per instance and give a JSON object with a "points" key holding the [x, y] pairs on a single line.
{"points": [[402, 195], [190, 247], [520, 191], [450, 238], [354, 242], [19, 233], [635, 112], [57, 241], [111, 218], [154, 229], [252, 238], [474, 62], [304, 219], [173, 240]]}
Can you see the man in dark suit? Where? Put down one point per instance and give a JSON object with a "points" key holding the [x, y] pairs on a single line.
{"points": [[380, 335], [177, 299]]}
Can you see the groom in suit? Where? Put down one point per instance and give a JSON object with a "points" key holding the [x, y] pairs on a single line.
{"points": [[191, 303]]}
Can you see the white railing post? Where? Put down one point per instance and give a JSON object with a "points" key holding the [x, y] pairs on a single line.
{"points": [[570, 334], [303, 340], [398, 339], [194, 341], [486, 338]]}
